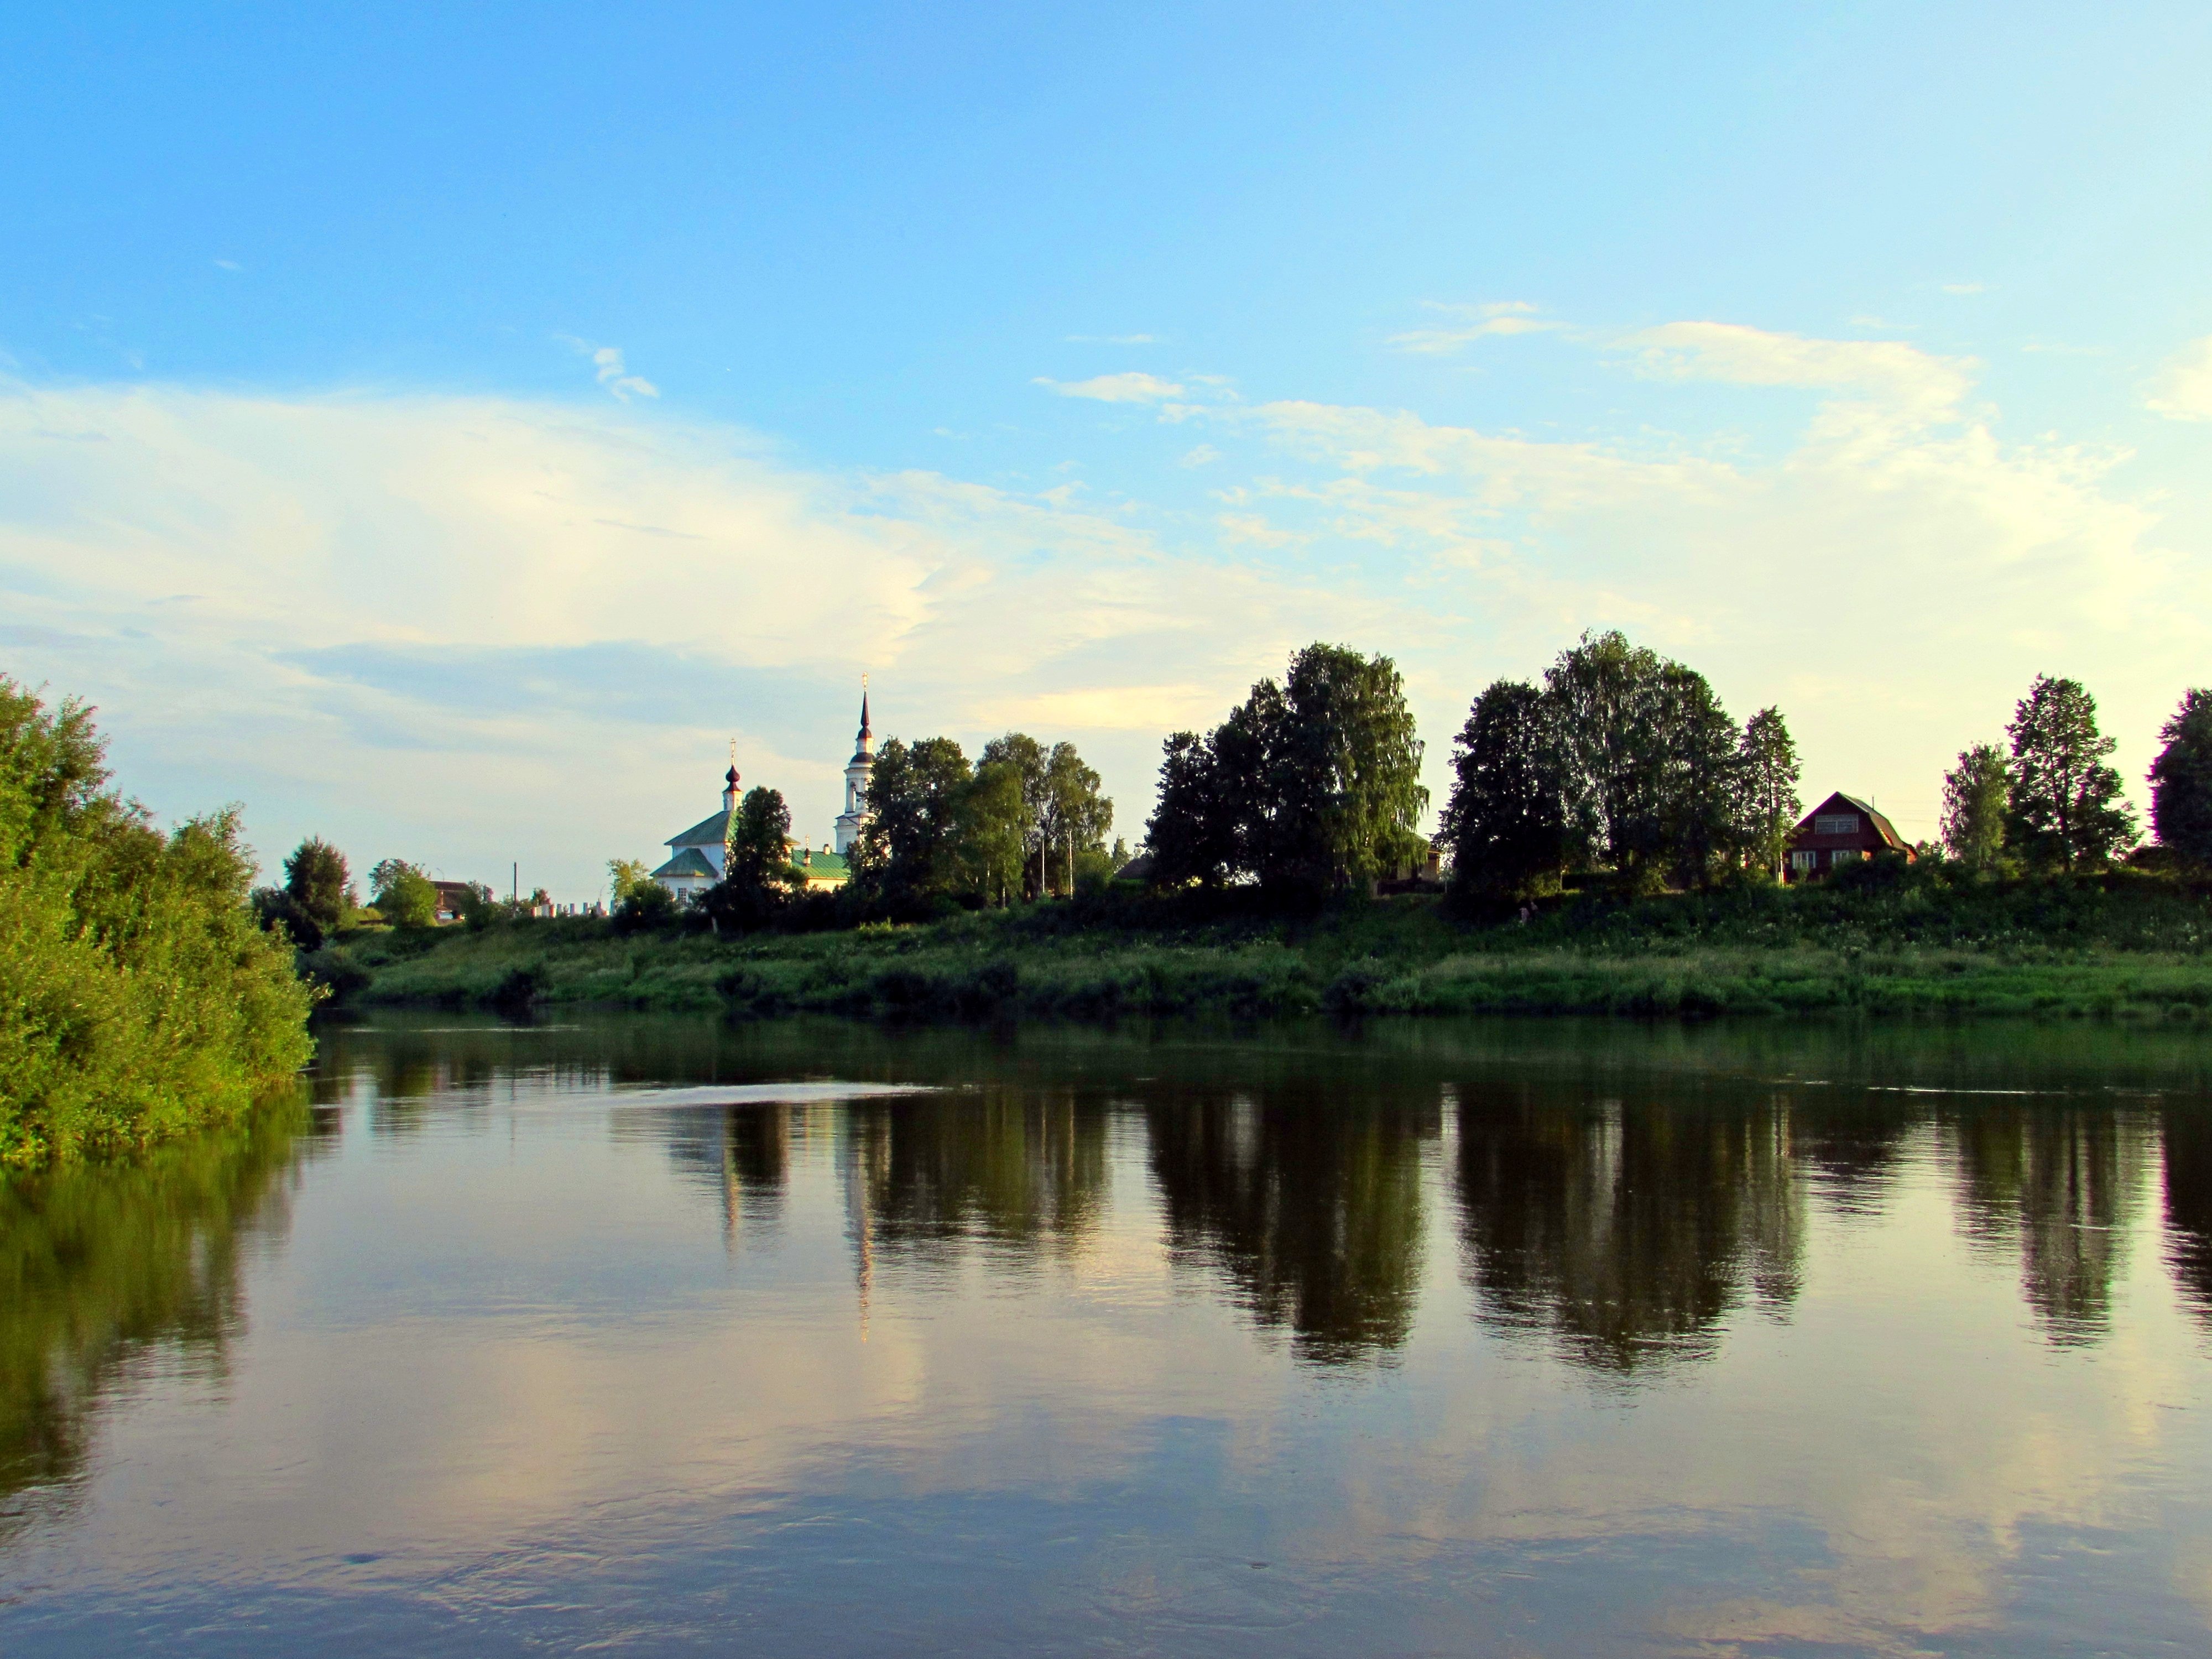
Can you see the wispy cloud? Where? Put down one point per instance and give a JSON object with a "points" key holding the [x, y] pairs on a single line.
{"points": [[2184, 391], [1501, 316], [228, 265], [1966, 287], [1132, 388], [1902, 378], [610, 371], [1113, 339]]}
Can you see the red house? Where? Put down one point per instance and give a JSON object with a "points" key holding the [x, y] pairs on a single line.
{"points": [[1841, 830]]}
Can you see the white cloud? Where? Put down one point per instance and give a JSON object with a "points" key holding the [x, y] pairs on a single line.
{"points": [[1203, 455], [1503, 317], [2183, 392], [228, 265], [614, 375], [470, 630], [1902, 377], [1128, 388], [1892, 576]]}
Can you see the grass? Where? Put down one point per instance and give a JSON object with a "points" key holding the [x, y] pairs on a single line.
{"points": [[1897, 943]]}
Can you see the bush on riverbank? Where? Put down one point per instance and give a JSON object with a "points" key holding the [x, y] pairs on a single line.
{"points": [[137, 996], [1885, 940]]}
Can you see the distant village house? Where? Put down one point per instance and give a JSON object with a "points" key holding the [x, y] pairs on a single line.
{"points": [[1841, 829]]}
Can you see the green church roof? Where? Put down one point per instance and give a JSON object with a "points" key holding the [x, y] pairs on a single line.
{"points": [[708, 832], [690, 861]]}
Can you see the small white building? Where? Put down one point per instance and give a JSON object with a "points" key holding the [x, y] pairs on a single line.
{"points": [[695, 857], [695, 863]]}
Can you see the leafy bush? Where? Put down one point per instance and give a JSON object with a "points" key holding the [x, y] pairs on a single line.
{"points": [[138, 996]]}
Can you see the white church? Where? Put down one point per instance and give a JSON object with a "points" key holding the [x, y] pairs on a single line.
{"points": [[695, 862]]}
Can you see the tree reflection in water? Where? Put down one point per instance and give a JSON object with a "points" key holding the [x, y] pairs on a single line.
{"points": [[2059, 1184], [2185, 1147], [1625, 1235], [1308, 1204], [104, 1267]]}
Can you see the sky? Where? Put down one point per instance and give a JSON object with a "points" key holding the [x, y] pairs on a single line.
{"points": [[448, 430]]}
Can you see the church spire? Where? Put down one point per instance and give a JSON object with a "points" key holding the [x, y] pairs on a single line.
{"points": [[865, 733]]}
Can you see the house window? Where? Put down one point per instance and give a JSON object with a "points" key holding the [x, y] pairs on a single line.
{"points": [[1846, 855], [1802, 861], [1836, 823]]}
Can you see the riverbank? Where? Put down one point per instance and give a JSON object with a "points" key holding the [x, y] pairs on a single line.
{"points": [[2118, 946]]}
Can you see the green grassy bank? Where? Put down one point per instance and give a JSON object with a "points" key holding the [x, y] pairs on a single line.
{"points": [[1905, 944]]}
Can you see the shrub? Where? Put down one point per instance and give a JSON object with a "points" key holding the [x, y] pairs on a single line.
{"points": [[138, 996]]}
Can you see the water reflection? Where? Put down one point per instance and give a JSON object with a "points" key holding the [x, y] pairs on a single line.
{"points": [[1625, 1236], [1256, 1343], [2057, 1185], [1307, 1206], [103, 1272]]}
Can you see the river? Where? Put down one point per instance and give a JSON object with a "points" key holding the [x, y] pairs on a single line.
{"points": [[656, 1335]]}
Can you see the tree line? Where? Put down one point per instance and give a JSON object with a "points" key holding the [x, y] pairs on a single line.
{"points": [[1617, 761], [1024, 820], [2048, 801]]}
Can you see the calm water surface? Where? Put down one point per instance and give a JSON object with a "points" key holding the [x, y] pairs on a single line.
{"points": [[663, 1337]]}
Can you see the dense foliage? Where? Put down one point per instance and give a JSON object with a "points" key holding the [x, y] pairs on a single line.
{"points": [[1622, 761], [1310, 787], [2065, 809], [1977, 799], [137, 996], [942, 832], [2181, 780]]}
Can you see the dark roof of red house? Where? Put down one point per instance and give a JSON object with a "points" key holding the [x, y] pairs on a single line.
{"points": [[1882, 827]]}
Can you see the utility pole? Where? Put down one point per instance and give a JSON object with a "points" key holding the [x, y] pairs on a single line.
{"points": [[514, 883]]}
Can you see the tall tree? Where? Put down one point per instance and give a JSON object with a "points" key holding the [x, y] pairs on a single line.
{"points": [[318, 883], [1505, 823], [1767, 776], [1699, 789], [2181, 780], [757, 877], [994, 832], [908, 854], [1031, 762], [1605, 695], [2067, 811], [1192, 835], [1076, 815], [1977, 798], [1345, 771]]}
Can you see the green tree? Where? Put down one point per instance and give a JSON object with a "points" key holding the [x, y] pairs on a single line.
{"points": [[757, 876], [317, 888], [2066, 808], [994, 832], [1076, 815], [1977, 798], [1027, 758], [1193, 834], [625, 877], [2181, 780], [1698, 823], [1605, 695], [402, 895], [1505, 824], [137, 997], [1345, 774], [1767, 776], [908, 854]]}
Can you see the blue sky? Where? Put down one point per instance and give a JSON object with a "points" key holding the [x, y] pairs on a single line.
{"points": [[446, 430]]}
